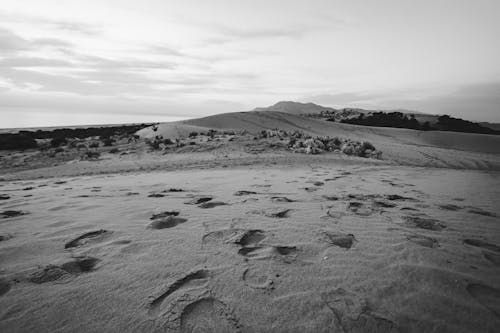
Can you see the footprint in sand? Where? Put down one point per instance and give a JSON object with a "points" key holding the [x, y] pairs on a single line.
{"points": [[165, 214], [208, 315], [258, 276], [251, 237], [482, 244], [166, 222], [156, 195], [424, 223], [4, 286], [261, 252], [281, 199], [493, 258], [12, 213], [93, 236], [353, 314], [212, 204], [449, 207], [53, 273], [487, 296], [272, 212], [198, 200], [244, 192], [345, 241], [241, 237], [192, 280], [423, 241], [480, 211], [5, 237]]}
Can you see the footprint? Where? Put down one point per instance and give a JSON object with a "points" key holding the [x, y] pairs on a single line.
{"points": [[241, 193], [198, 200], [156, 195], [353, 313], [424, 223], [480, 211], [273, 212], [192, 280], [212, 204], [172, 189], [164, 214], [4, 197], [493, 258], [482, 244], [260, 252], [251, 237], [383, 204], [11, 213], [281, 199], [5, 237], [80, 265], [258, 277], [52, 273], [339, 239], [167, 222], [96, 235], [4, 286], [208, 315], [450, 207], [398, 197], [487, 296], [423, 241]]}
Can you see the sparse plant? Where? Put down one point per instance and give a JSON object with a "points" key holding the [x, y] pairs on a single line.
{"points": [[94, 145], [58, 141]]}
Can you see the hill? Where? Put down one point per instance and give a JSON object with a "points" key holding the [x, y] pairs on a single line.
{"points": [[401, 146]]}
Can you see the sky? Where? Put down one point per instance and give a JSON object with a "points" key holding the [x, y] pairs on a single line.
{"points": [[119, 61]]}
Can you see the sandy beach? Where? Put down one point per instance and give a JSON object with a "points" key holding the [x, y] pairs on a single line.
{"points": [[228, 240]]}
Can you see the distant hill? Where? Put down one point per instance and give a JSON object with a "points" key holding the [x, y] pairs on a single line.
{"points": [[493, 126], [296, 108], [319, 111]]}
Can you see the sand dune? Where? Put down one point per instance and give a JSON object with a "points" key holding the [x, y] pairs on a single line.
{"points": [[402, 146], [236, 233]]}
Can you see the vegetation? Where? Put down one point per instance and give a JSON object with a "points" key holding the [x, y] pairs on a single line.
{"points": [[16, 141], [60, 136], [400, 120]]}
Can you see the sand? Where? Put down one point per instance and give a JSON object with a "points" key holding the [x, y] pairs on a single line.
{"points": [[227, 240]]}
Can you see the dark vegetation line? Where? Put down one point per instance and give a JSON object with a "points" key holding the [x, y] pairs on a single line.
{"points": [[27, 139], [400, 120]]}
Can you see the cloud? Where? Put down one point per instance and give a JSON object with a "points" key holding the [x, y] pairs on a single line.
{"points": [[23, 61], [13, 43], [76, 27], [10, 42]]}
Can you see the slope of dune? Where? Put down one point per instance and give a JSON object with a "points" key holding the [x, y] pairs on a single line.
{"points": [[401, 146]]}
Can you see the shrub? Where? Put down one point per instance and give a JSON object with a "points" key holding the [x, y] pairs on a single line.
{"points": [[193, 134], [59, 150], [114, 151], [91, 154], [16, 141], [167, 141], [58, 141], [108, 142], [154, 144], [94, 145]]}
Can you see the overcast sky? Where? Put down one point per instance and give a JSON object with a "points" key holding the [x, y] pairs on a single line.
{"points": [[116, 61]]}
